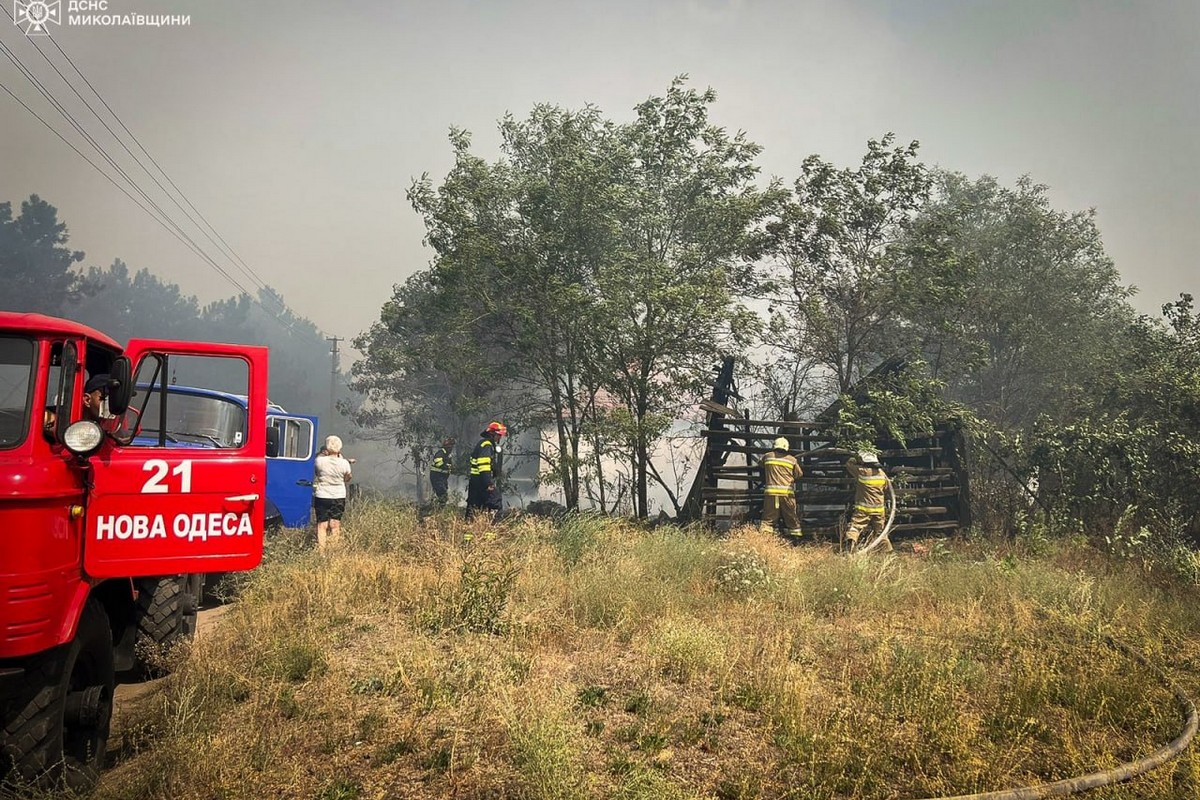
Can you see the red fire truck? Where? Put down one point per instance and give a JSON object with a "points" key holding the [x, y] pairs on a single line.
{"points": [[105, 527]]}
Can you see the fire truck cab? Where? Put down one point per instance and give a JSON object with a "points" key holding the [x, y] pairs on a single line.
{"points": [[105, 526]]}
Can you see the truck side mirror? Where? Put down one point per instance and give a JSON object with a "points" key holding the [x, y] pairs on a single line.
{"points": [[120, 386], [272, 441]]}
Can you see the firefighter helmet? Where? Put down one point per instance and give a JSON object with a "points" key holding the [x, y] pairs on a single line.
{"points": [[496, 428], [781, 443], [867, 457]]}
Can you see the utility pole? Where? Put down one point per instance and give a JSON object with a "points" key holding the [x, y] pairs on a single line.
{"points": [[333, 371]]}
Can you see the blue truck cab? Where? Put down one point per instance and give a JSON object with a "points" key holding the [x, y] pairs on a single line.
{"points": [[207, 418]]}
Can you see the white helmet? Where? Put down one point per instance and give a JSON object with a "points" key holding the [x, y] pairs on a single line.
{"points": [[782, 443], [867, 457]]}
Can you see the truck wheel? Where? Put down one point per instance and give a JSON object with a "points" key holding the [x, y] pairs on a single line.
{"points": [[165, 615], [56, 718]]}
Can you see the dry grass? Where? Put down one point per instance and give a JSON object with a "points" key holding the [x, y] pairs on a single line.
{"points": [[593, 659]]}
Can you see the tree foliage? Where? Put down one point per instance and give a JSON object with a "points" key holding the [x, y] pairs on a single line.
{"points": [[1037, 308], [40, 274], [594, 267], [1132, 447], [35, 261], [844, 239]]}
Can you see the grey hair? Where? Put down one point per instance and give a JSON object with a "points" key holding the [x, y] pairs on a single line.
{"points": [[333, 444]]}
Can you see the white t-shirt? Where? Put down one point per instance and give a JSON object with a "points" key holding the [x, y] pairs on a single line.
{"points": [[329, 477]]}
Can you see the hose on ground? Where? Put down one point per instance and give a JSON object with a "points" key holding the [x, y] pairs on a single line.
{"points": [[1117, 774]]}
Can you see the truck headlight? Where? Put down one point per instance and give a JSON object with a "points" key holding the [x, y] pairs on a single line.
{"points": [[83, 437]]}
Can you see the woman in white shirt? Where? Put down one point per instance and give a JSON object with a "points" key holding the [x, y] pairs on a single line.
{"points": [[331, 473]]}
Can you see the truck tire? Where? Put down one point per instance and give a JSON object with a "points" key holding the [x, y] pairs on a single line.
{"points": [[165, 614], [56, 718]]}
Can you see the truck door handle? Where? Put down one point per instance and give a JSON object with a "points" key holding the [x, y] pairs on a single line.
{"points": [[303, 482], [242, 498]]}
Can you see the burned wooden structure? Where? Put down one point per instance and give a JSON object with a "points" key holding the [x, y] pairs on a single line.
{"points": [[928, 471]]}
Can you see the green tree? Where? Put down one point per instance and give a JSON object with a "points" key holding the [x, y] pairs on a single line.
{"points": [[35, 263], [590, 258], [1131, 448], [526, 233], [124, 305], [1039, 306], [843, 238], [420, 375], [690, 226]]}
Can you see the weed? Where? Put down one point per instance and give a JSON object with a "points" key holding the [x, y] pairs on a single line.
{"points": [[299, 662], [341, 789], [742, 573], [367, 686], [577, 535], [652, 741], [686, 648], [484, 593], [546, 755], [439, 760], [607, 661], [643, 783], [592, 696], [369, 725], [286, 703], [392, 751], [638, 703]]}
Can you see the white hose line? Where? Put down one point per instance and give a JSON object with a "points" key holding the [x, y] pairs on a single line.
{"points": [[1117, 774]]}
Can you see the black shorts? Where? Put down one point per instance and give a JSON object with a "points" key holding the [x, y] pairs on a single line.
{"points": [[328, 508]]}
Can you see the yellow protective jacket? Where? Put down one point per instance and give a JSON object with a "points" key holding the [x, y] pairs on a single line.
{"points": [[869, 485], [780, 472], [443, 462]]}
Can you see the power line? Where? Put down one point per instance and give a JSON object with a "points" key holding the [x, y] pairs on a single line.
{"points": [[227, 248], [179, 233], [96, 167], [77, 150], [48, 95], [119, 141]]}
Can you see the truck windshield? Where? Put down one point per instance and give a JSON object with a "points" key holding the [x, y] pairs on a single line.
{"points": [[194, 419], [16, 383]]}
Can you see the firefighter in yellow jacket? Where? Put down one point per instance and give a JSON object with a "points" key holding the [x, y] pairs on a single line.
{"points": [[780, 473], [870, 484]]}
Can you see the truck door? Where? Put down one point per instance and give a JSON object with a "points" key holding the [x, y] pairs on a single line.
{"points": [[290, 474], [163, 505]]}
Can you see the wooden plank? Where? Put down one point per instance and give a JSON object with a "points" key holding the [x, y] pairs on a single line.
{"points": [[711, 434], [800, 454], [911, 484], [741, 448], [931, 526], [807, 504], [911, 452], [787, 423], [713, 407], [936, 491]]}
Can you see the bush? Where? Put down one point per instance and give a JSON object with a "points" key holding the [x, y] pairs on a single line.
{"points": [[742, 573]]}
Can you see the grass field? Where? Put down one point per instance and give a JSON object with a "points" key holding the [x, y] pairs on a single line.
{"points": [[595, 659]]}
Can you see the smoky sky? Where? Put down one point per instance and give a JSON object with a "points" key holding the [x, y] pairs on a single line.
{"points": [[297, 127]]}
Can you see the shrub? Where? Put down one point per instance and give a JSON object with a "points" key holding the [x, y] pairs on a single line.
{"points": [[742, 573]]}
